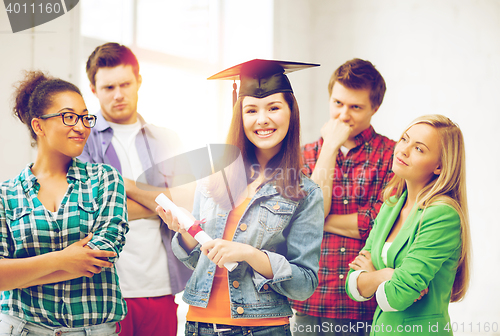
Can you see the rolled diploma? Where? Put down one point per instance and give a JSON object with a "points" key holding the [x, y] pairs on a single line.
{"points": [[198, 234]]}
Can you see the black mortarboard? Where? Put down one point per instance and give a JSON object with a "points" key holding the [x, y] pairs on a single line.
{"points": [[261, 78]]}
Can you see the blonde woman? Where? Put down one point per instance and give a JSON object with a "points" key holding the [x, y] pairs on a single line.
{"points": [[416, 259]]}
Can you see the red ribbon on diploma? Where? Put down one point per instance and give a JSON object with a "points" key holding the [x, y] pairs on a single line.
{"points": [[195, 228]]}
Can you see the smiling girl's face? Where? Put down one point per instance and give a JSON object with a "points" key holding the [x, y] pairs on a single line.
{"points": [[266, 121]]}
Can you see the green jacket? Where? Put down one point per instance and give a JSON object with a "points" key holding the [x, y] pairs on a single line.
{"points": [[425, 259]]}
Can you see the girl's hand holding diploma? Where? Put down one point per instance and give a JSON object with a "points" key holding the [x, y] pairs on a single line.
{"points": [[190, 235], [222, 251], [173, 224]]}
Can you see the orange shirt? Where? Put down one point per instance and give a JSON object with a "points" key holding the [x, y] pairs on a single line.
{"points": [[218, 309]]}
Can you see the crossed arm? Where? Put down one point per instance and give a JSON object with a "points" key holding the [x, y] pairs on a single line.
{"points": [[438, 241], [370, 280], [141, 198], [354, 225], [82, 258], [74, 261]]}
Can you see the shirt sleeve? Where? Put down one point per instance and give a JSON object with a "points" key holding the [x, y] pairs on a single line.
{"points": [[351, 286], [4, 245], [309, 156], [189, 259], [110, 225], [296, 274], [368, 212], [438, 240]]}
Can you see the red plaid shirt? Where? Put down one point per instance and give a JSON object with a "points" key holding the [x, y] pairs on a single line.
{"points": [[358, 181]]}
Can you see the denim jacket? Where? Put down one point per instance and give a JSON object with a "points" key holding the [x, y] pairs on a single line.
{"points": [[289, 232]]}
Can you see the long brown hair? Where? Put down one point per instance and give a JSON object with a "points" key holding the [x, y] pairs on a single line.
{"points": [[283, 169], [446, 188]]}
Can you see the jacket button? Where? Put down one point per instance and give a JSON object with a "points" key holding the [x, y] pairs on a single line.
{"points": [[58, 333], [236, 284], [243, 227], [342, 249], [240, 310], [345, 175], [346, 201], [341, 276], [276, 206], [266, 287]]}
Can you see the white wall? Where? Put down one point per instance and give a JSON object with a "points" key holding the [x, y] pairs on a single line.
{"points": [[51, 47], [436, 57]]}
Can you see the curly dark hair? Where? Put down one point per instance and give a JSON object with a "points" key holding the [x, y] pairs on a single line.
{"points": [[34, 94]]}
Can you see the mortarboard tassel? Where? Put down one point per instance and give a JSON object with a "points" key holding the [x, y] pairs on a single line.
{"points": [[234, 93]]}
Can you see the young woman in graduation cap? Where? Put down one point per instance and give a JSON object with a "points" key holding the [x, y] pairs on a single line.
{"points": [[273, 230]]}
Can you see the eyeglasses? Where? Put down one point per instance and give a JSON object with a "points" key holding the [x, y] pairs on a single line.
{"points": [[71, 119]]}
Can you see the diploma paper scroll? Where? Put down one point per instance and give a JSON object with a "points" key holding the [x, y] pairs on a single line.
{"points": [[188, 221]]}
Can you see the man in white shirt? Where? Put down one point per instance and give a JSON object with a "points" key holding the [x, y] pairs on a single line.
{"points": [[150, 275]]}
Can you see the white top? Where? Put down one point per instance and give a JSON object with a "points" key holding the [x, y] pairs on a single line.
{"points": [[344, 150], [142, 266], [385, 248]]}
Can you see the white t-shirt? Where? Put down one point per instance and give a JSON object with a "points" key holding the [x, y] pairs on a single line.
{"points": [[344, 150], [142, 266]]}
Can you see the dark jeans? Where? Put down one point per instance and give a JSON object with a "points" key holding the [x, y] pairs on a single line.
{"points": [[306, 325], [206, 329]]}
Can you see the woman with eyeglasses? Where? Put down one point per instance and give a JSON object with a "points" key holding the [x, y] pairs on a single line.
{"points": [[62, 223]]}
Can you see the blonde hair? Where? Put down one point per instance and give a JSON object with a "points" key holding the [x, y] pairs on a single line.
{"points": [[446, 188]]}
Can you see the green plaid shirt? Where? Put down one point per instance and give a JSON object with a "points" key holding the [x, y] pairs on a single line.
{"points": [[94, 202]]}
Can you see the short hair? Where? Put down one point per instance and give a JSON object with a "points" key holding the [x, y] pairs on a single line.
{"points": [[359, 74], [110, 55], [35, 94]]}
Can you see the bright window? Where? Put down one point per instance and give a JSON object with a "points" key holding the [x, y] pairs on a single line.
{"points": [[179, 44]]}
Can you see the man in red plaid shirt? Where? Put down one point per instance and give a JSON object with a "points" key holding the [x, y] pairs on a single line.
{"points": [[352, 164]]}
